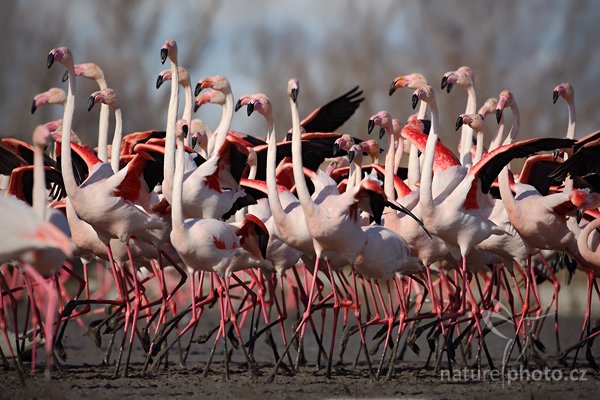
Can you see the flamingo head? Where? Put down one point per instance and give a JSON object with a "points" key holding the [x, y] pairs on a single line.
{"points": [[505, 99], [344, 142], [371, 147], [293, 89], [355, 154], [215, 82], [87, 70], [423, 93], [199, 133], [256, 102], [62, 55], [105, 96], [254, 236], [210, 96], [411, 81], [181, 129], [489, 107], [564, 90], [50, 96], [41, 136], [382, 119], [168, 49], [54, 125], [462, 77], [475, 121]]}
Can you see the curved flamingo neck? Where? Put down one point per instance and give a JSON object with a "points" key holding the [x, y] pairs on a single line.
{"points": [[221, 132], [425, 191], [39, 182], [478, 147], [414, 166], [103, 125], [497, 140], [187, 107], [506, 194], [66, 164], [390, 166], [116, 143], [176, 199], [301, 188], [466, 131], [169, 166], [570, 135], [588, 254], [273, 194]]}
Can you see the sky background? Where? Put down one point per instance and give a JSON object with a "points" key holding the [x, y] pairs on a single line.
{"points": [[331, 46]]}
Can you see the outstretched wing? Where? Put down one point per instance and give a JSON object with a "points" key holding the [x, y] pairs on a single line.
{"points": [[332, 115]]}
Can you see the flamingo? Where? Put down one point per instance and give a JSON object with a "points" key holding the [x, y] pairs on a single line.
{"points": [[215, 246], [465, 78], [185, 82], [109, 97], [50, 96]]}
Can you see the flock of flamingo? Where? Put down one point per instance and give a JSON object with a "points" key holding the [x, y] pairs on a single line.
{"points": [[150, 232]]}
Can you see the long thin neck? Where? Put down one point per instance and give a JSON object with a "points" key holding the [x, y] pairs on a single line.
{"points": [[425, 194], [39, 182], [103, 125], [299, 180], [65, 164], [467, 131], [187, 109], [221, 132], [570, 135], [505, 193], [169, 166], [498, 138], [273, 197], [390, 167], [414, 166], [116, 143], [478, 148], [176, 206]]}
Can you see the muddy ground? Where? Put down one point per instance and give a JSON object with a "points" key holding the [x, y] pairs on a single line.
{"points": [[82, 375]]}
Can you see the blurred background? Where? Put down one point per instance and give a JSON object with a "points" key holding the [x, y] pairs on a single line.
{"points": [[525, 46]]}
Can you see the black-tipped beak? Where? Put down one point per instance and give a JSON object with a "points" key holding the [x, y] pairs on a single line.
{"points": [[197, 89], [238, 105], [50, 60], [459, 122], [91, 102], [336, 148], [250, 108], [555, 154], [294, 94], [33, 106], [185, 129], [351, 155], [194, 141], [196, 107], [449, 87], [415, 101], [159, 81], [444, 82], [163, 55], [288, 137], [498, 115], [263, 242], [392, 88], [555, 96], [370, 126], [65, 76], [381, 132]]}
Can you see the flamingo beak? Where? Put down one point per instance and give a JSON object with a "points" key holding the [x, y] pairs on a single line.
{"points": [[50, 60], [163, 55], [415, 101], [449, 87], [444, 82], [65, 76], [351, 155], [33, 106], [370, 126], [392, 88], [159, 81], [194, 141], [498, 115], [238, 105], [91, 102], [196, 107], [336, 148], [426, 125], [250, 108], [459, 122], [555, 95], [294, 93], [381, 132], [288, 137]]}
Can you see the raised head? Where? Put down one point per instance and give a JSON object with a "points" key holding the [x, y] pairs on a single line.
{"points": [[411, 81], [215, 82], [106, 96], [168, 49], [50, 96]]}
